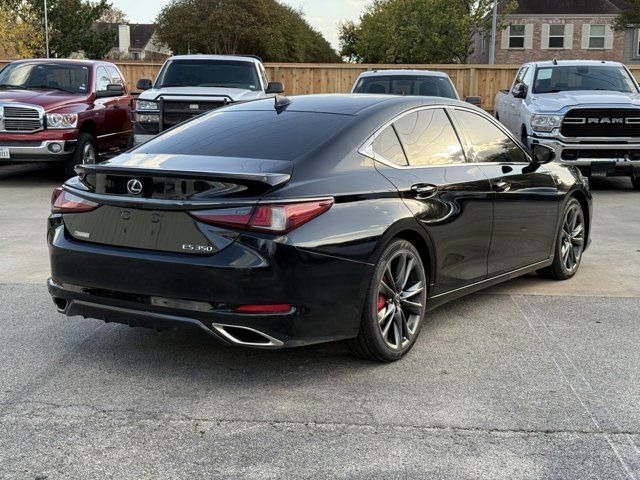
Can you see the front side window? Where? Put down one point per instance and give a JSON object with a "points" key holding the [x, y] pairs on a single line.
{"points": [[488, 142], [428, 138], [102, 79], [388, 147], [209, 73], [516, 36], [56, 76], [596, 36], [556, 36], [563, 78]]}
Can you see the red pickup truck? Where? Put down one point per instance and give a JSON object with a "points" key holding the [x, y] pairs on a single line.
{"points": [[64, 111]]}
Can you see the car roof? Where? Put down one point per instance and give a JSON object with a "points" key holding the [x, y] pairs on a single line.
{"points": [[424, 73], [348, 103], [83, 62], [238, 58], [559, 63]]}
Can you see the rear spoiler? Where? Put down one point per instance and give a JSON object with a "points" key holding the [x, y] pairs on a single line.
{"points": [[271, 179]]}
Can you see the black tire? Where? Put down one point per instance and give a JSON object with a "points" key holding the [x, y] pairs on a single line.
{"points": [[80, 156], [524, 138], [399, 309], [569, 245], [635, 181]]}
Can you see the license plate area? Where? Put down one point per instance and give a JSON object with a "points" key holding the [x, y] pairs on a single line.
{"points": [[601, 169], [145, 229], [4, 152]]}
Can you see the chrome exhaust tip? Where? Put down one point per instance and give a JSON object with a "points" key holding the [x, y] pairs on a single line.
{"points": [[246, 336]]}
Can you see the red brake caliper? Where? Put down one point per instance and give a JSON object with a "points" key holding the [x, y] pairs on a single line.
{"points": [[381, 301]]}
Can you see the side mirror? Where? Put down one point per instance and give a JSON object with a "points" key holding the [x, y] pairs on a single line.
{"points": [[476, 101], [144, 84], [542, 154], [113, 90], [274, 87], [519, 90]]}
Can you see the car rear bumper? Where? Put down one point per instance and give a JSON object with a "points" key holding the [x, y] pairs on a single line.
{"points": [[606, 159], [166, 290]]}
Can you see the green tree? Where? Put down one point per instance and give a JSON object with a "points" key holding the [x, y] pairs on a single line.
{"points": [[70, 25], [17, 38], [266, 28], [417, 31], [630, 15]]}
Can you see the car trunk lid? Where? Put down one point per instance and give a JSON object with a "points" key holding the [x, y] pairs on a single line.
{"points": [[145, 198]]}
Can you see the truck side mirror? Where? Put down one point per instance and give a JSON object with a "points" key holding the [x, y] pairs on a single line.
{"points": [[476, 101], [542, 154], [113, 90], [519, 90], [274, 87], [144, 84]]}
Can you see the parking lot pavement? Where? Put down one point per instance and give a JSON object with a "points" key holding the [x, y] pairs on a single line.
{"points": [[534, 379]]}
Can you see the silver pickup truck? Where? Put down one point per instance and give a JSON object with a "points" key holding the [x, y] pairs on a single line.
{"points": [[189, 85], [587, 111]]}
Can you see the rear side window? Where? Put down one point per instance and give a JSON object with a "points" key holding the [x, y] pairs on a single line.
{"points": [[249, 134], [428, 138], [388, 146], [488, 142]]}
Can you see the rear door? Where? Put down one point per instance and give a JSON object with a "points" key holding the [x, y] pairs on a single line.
{"points": [[526, 199], [122, 109], [422, 156]]}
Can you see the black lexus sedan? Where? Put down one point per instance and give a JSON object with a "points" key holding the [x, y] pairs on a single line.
{"points": [[287, 222]]}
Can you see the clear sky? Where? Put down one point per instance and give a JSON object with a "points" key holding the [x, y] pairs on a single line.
{"points": [[323, 15]]}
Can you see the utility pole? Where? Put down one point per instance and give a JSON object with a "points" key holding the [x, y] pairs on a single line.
{"points": [[46, 28], [492, 45]]}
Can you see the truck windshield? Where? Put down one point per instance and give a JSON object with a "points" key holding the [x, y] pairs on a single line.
{"points": [[578, 77], [209, 73], [433, 86], [57, 76]]}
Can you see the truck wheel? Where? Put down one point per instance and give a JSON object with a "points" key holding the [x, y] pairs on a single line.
{"points": [[635, 181], [524, 138], [86, 152]]}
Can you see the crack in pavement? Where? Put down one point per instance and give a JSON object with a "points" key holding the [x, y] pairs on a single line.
{"points": [[172, 417]]}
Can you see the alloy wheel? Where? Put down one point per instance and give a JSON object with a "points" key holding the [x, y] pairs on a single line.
{"points": [[401, 299], [88, 153], [572, 238]]}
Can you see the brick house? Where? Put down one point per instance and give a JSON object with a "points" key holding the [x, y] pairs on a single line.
{"points": [[562, 29]]}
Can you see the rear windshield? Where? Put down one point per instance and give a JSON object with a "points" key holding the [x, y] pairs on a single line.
{"points": [[209, 73], [249, 134], [592, 77], [406, 85]]}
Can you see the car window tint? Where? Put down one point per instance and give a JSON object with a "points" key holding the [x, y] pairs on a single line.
{"points": [[249, 134], [388, 146], [489, 143], [428, 138]]}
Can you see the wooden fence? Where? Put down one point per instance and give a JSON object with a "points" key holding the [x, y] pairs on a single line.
{"points": [[305, 78]]}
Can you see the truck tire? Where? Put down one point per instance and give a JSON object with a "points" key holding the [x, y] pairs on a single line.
{"points": [[524, 138], [86, 152], [635, 181]]}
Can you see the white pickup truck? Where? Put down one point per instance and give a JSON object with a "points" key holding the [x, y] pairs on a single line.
{"points": [[587, 111], [189, 85]]}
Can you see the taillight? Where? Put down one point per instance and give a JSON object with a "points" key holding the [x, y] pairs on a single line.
{"points": [[276, 218], [65, 202]]}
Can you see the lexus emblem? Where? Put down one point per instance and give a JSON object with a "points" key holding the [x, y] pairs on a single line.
{"points": [[134, 186]]}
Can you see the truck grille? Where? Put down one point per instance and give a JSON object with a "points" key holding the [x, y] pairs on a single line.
{"points": [[610, 122], [20, 119], [175, 112]]}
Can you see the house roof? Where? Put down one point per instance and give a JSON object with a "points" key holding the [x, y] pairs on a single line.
{"points": [[568, 7], [140, 33]]}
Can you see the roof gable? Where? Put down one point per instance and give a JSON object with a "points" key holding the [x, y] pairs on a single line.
{"points": [[568, 7]]}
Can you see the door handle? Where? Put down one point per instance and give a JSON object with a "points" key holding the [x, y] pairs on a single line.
{"points": [[116, 106], [423, 190], [501, 186]]}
